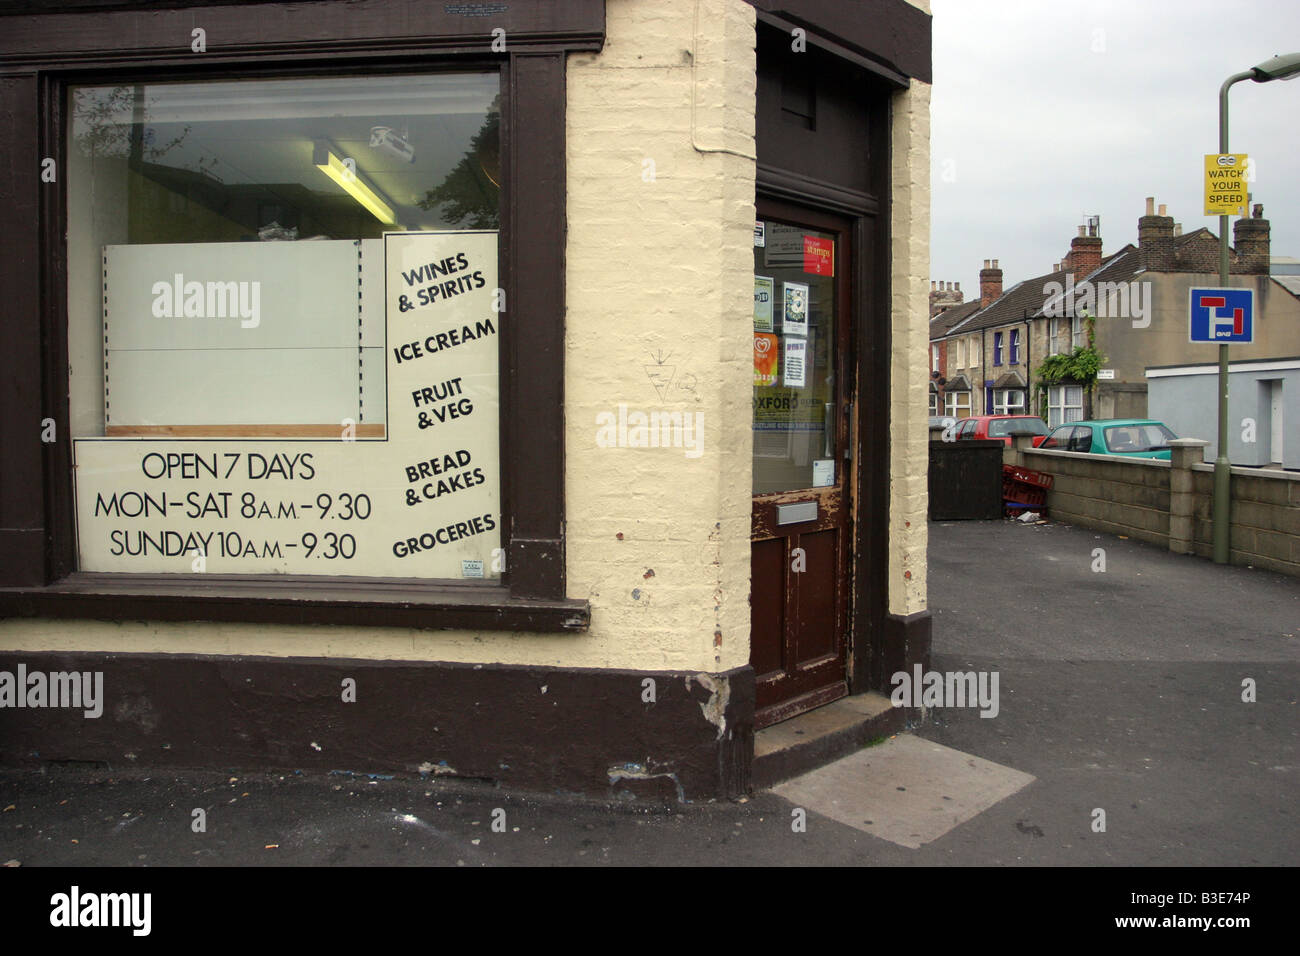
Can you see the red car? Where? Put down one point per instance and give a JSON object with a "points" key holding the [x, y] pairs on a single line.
{"points": [[1005, 427]]}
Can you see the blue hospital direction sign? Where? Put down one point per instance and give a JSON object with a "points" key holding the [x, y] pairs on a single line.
{"points": [[1225, 316]]}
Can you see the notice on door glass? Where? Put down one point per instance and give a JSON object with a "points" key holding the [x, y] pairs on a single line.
{"points": [[796, 353], [423, 502], [764, 296], [767, 351], [819, 256], [795, 309]]}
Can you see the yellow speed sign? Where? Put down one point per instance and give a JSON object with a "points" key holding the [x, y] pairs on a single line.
{"points": [[1225, 184]]}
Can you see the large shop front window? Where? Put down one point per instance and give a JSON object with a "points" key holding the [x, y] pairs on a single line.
{"points": [[283, 318]]}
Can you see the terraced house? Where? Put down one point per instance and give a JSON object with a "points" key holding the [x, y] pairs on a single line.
{"points": [[1137, 298]]}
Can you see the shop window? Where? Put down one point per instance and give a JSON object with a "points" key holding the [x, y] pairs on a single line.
{"points": [[281, 336]]}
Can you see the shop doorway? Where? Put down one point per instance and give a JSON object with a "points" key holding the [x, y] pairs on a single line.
{"points": [[802, 534]]}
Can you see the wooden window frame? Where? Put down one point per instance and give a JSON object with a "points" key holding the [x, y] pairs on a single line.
{"points": [[42, 56]]}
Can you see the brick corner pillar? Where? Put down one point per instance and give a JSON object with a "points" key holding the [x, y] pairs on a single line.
{"points": [[1184, 452]]}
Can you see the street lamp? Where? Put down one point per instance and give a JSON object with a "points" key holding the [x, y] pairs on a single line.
{"points": [[1279, 68]]}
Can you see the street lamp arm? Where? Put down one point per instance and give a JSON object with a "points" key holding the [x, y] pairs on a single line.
{"points": [[1223, 105]]}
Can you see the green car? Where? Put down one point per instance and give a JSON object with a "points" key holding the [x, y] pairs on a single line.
{"points": [[1127, 437]]}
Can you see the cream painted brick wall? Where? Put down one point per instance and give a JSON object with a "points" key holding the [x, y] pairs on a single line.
{"points": [[660, 257], [656, 270], [909, 371]]}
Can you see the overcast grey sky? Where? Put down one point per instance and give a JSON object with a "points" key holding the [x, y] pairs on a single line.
{"points": [[1045, 111]]}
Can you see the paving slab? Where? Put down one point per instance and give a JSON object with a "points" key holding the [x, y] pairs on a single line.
{"points": [[906, 790]]}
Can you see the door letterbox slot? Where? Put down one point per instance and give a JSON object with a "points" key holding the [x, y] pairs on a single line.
{"points": [[796, 513]]}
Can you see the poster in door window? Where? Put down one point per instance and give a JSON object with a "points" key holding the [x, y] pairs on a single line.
{"points": [[819, 256], [764, 296], [767, 350], [796, 359], [795, 309]]}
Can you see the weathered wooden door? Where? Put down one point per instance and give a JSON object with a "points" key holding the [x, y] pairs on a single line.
{"points": [[803, 377]]}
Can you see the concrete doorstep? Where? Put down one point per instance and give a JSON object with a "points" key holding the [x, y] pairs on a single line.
{"points": [[811, 740]]}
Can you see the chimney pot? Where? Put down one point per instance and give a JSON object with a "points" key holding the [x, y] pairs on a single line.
{"points": [[932, 283], [1151, 205], [1162, 209], [1178, 229], [1259, 211], [1082, 231]]}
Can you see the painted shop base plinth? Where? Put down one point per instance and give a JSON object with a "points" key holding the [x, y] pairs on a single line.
{"points": [[581, 731]]}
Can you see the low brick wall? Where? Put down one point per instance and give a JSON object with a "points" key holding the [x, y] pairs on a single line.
{"points": [[1169, 503]]}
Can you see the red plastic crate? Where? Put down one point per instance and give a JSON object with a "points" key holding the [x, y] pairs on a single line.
{"points": [[1024, 490], [1036, 478]]}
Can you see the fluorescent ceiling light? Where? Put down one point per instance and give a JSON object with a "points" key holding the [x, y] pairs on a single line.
{"points": [[352, 184]]}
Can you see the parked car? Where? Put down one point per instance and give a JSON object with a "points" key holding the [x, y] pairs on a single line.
{"points": [[1005, 427], [1127, 437]]}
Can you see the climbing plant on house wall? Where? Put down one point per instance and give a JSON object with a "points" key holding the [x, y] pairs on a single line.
{"points": [[1079, 367]]}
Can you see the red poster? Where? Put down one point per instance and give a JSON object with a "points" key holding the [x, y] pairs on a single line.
{"points": [[767, 349], [819, 256]]}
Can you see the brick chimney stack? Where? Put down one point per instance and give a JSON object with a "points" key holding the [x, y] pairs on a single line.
{"points": [[1084, 256], [1250, 241], [1156, 239], [990, 283], [944, 295]]}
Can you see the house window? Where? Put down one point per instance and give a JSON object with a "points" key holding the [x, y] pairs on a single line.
{"points": [[934, 402], [934, 359], [961, 353], [956, 404], [1008, 401], [997, 348], [1015, 347], [974, 351], [1066, 335], [1064, 404]]}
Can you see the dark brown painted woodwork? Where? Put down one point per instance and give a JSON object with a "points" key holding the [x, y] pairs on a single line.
{"points": [[41, 55], [532, 364], [892, 33], [804, 179], [152, 33], [799, 620], [589, 733], [22, 500]]}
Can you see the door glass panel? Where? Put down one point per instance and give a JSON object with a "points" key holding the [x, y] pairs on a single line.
{"points": [[794, 359]]}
